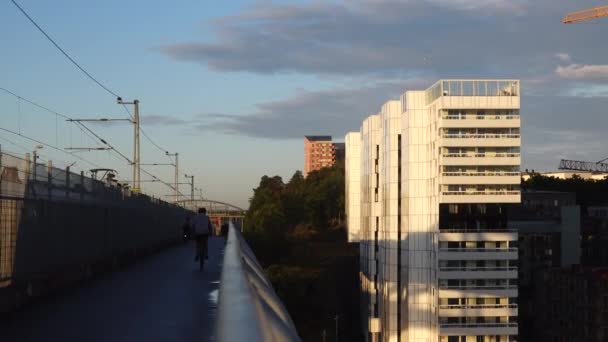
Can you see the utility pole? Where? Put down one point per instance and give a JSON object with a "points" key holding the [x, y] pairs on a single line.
{"points": [[191, 187], [176, 155], [136, 160]]}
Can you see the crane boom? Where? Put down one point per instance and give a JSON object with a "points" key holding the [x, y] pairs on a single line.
{"points": [[577, 165], [586, 14]]}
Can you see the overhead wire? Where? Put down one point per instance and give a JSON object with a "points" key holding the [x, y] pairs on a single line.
{"points": [[51, 146], [71, 59], [99, 83], [85, 129]]}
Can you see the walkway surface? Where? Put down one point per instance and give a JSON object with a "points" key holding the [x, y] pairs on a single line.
{"points": [[161, 298]]}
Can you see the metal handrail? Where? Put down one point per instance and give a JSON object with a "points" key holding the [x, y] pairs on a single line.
{"points": [[248, 308]]}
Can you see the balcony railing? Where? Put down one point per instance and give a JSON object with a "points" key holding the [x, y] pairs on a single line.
{"points": [[479, 325], [481, 136], [475, 230], [480, 117], [477, 249], [482, 174], [475, 287], [248, 308], [478, 306], [478, 269], [481, 155], [490, 192]]}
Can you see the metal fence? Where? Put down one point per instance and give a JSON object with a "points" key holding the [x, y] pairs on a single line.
{"points": [[53, 220], [249, 309]]}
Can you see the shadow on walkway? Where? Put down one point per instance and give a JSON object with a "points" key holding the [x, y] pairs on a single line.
{"points": [[162, 298]]}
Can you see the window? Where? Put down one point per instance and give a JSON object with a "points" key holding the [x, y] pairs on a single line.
{"points": [[453, 208]]}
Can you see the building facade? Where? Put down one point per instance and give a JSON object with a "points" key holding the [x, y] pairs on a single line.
{"points": [[439, 168], [320, 152], [352, 175], [574, 307]]}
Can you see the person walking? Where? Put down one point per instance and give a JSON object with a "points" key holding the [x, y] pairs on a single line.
{"points": [[201, 228]]}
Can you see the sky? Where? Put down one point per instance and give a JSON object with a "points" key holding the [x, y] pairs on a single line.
{"points": [[233, 86]]}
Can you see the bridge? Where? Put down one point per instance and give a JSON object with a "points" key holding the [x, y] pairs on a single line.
{"points": [[84, 260], [219, 212]]}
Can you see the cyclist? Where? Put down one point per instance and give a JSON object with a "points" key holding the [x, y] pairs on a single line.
{"points": [[201, 228]]}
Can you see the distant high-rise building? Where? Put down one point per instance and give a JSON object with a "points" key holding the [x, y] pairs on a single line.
{"points": [[438, 170], [320, 152]]}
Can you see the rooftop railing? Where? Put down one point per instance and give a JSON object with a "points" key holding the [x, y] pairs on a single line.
{"points": [[472, 88], [248, 308]]}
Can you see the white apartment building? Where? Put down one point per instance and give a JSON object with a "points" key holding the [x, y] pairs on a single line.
{"points": [[352, 165], [438, 171]]}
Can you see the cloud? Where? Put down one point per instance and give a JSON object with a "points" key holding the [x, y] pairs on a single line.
{"points": [[453, 38], [556, 127], [564, 57], [164, 120], [334, 111], [583, 72]]}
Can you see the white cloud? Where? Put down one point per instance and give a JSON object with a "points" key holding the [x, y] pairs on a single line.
{"points": [[564, 57], [583, 72]]}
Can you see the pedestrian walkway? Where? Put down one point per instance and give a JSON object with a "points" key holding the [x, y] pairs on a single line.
{"points": [[162, 298]]}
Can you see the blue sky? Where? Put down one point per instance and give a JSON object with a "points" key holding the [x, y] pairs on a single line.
{"points": [[233, 86]]}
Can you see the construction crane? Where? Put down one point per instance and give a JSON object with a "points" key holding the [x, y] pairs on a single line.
{"points": [[587, 14], [577, 165]]}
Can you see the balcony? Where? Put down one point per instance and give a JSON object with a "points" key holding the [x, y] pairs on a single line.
{"points": [[481, 178], [486, 196], [478, 254], [480, 140], [478, 310], [489, 159], [480, 121], [477, 235], [488, 291], [477, 329], [506, 272]]}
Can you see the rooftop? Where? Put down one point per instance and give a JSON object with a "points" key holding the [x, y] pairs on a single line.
{"points": [[318, 137], [472, 88]]}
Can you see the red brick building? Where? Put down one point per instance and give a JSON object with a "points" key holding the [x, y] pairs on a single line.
{"points": [[320, 152]]}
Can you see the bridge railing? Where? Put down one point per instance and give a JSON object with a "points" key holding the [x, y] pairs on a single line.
{"points": [[249, 309]]}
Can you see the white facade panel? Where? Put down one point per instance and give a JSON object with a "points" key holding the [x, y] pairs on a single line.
{"points": [[457, 142]]}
